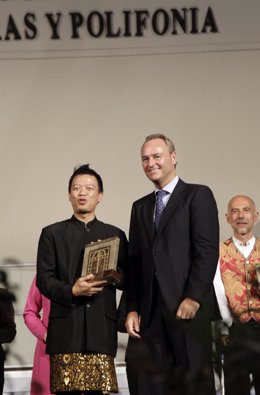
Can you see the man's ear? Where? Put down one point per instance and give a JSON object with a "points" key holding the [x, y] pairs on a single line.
{"points": [[100, 197], [227, 218], [174, 158]]}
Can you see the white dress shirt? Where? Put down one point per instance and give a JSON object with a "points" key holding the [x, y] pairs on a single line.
{"points": [[169, 188]]}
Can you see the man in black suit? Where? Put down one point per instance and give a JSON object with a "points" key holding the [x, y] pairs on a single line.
{"points": [[172, 262]]}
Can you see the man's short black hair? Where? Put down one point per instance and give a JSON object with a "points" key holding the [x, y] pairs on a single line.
{"points": [[85, 169]]}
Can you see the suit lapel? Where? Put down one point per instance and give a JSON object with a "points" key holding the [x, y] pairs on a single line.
{"points": [[148, 213]]}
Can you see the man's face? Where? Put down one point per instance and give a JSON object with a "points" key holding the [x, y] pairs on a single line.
{"points": [[242, 216], [158, 163], [84, 195]]}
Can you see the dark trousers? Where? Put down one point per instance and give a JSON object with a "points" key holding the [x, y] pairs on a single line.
{"points": [[1, 372], [241, 358], [177, 353]]}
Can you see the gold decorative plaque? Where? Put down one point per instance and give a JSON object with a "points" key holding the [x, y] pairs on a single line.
{"points": [[100, 259]]}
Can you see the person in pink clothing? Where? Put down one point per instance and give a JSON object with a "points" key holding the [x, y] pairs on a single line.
{"points": [[36, 316]]}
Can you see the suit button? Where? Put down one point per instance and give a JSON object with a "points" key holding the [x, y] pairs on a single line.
{"points": [[88, 306], [155, 252]]}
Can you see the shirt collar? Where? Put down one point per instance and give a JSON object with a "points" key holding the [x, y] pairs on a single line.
{"points": [[239, 243], [170, 187], [89, 224]]}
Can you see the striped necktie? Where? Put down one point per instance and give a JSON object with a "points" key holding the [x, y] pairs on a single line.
{"points": [[159, 206]]}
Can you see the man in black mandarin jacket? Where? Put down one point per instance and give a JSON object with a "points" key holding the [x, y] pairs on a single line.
{"points": [[82, 316], [170, 296]]}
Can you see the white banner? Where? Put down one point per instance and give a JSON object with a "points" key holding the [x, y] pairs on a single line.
{"points": [[52, 28]]}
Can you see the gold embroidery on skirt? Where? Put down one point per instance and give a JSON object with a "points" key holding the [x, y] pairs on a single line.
{"points": [[83, 372]]}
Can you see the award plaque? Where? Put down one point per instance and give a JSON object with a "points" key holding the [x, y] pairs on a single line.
{"points": [[100, 259]]}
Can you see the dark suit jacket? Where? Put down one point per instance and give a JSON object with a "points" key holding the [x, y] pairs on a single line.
{"points": [[183, 253]]}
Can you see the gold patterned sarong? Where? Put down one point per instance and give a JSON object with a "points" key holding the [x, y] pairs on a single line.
{"points": [[83, 372]]}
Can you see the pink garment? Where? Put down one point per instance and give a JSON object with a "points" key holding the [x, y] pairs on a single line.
{"points": [[38, 323]]}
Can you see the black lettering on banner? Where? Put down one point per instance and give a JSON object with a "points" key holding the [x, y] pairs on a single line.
{"points": [[76, 22], [210, 22], [194, 21], [109, 24], [95, 24], [178, 19], [141, 22], [54, 21], [132, 23], [31, 31], [127, 15], [160, 22], [11, 31]]}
